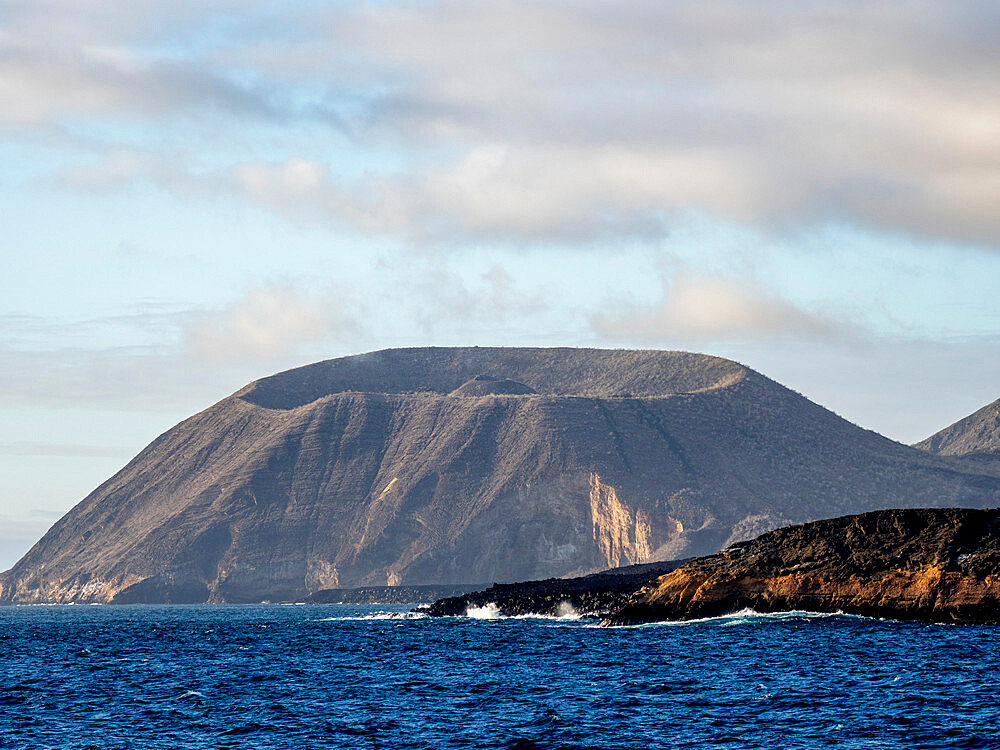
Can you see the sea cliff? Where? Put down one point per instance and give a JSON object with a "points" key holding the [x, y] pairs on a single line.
{"points": [[936, 565], [933, 565]]}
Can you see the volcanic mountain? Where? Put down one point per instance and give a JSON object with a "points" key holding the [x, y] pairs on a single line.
{"points": [[977, 436], [470, 465]]}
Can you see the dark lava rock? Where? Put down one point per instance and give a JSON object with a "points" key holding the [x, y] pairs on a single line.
{"points": [[595, 595], [940, 565]]}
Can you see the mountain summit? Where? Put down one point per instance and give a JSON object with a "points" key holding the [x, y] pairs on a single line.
{"points": [[976, 435], [470, 465]]}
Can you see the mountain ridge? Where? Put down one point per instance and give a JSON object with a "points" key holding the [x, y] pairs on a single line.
{"points": [[314, 479], [975, 435]]}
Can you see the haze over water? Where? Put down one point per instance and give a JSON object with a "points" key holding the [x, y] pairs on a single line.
{"points": [[375, 677]]}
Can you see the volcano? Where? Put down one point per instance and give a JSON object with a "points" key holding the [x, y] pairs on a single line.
{"points": [[470, 465]]}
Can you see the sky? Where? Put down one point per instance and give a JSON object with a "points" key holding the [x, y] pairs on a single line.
{"points": [[194, 195]]}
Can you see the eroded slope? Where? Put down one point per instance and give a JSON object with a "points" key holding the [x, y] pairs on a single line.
{"points": [[471, 465]]}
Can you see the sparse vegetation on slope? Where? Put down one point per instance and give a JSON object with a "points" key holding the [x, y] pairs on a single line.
{"points": [[441, 466], [976, 435]]}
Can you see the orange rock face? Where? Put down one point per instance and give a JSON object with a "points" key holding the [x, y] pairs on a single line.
{"points": [[940, 565]]}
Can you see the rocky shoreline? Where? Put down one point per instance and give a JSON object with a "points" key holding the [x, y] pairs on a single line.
{"points": [[931, 565], [597, 595]]}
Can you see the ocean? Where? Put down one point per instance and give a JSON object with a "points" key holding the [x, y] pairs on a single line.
{"points": [[346, 676]]}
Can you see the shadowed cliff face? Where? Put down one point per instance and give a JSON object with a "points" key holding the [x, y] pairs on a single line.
{"points": [[925, 564], [439, 466]]}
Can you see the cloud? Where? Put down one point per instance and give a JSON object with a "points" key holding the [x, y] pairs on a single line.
{"points": [[199, 354], [707, 308], [539, 121], [577, 116], [443, 300], [51, 84], [114, 169], [271, 321]]}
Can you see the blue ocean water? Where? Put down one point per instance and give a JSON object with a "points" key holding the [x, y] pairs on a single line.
{"points": [[374, 677]]}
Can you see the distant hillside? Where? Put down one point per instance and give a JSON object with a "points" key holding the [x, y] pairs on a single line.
{"points": [[470, 465], [978, 435]]}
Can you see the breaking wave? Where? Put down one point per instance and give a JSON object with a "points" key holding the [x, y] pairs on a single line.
{"points": [[486, 612], [376, 616], [745, 617]]}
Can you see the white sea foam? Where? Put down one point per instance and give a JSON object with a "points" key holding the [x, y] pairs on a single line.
{"points": [[377, 616], [488, 611], [743, 617], [549, 618], [565, 610]]}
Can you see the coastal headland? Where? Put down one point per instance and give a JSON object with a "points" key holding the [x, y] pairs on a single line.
{"points": [[933, 565]]}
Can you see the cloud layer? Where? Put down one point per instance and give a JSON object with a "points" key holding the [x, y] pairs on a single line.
{"points": [[551, 120]]}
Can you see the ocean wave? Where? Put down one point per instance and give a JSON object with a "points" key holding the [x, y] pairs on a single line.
{"points": [[574, 617], [491, 611], [744, 617], [488, 611], [376, 616]]}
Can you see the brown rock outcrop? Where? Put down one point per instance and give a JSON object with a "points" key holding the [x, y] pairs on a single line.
{"points": [[939, 565]]}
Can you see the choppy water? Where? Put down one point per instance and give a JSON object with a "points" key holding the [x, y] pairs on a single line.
{"points": [[370, 677]]}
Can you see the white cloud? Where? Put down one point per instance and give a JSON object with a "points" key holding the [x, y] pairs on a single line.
{"points": [[710, 308], [271, 321], [446, 301], [113, 170], [46, 86], [199, 355], [551, 120], [774, 113]]}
